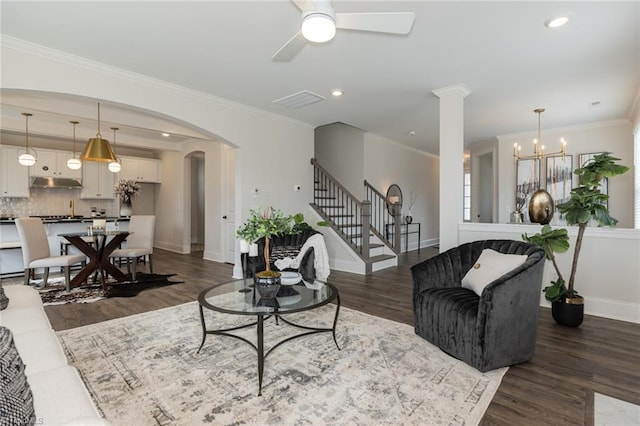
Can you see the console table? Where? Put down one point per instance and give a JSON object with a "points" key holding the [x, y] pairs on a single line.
{"points": [[406, 229]]}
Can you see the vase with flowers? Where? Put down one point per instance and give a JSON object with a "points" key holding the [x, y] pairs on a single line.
{"points": [[126, 190]]}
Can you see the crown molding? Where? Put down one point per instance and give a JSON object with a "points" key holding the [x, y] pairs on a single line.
{"points": [[574, 128], [459, 89], [112, 71]]}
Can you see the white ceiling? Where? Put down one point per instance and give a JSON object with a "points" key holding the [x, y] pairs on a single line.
{"points": [[501, 50]]}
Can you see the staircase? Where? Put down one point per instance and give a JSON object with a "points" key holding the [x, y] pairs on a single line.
{"points": [[365, 226]]}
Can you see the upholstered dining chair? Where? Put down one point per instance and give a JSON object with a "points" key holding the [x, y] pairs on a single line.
{"points": [[487, 325], [139, 244], [37, 254]]}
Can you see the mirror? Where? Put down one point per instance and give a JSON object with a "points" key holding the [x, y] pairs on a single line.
{"points": [[394, 196]]}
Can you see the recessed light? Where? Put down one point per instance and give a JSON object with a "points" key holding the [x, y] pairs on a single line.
{"points": [[412, 132], [336, 92], [166, 135], [556, 22]]}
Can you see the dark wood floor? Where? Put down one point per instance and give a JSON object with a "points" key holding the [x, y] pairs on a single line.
{"points": [[555, 388]]}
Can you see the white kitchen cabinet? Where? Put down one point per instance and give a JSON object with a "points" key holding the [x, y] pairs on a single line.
{"points": [[141, 169], [97, 181], [14, 177], [50, 163]]}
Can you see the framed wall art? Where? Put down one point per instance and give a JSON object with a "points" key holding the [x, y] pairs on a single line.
{"points": [[527, 182], [559, 181]]}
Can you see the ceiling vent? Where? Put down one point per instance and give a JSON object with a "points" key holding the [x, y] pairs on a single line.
{"points": [[300, 99]]}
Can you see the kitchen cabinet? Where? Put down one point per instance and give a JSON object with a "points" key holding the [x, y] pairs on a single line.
{"points": [[14, 177], [141, 169], [51, 163], [97, 181]]}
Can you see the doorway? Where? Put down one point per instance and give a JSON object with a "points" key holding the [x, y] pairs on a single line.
{"points": [[197, 186]]}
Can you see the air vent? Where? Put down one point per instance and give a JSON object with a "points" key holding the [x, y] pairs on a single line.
{"points": [[300, 99]]}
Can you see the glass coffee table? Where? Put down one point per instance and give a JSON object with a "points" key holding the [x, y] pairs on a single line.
{"points": [[237, 298]]}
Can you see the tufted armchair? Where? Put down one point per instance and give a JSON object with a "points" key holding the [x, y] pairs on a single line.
{"points": [[497, 328]]}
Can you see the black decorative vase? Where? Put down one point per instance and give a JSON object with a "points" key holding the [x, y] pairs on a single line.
{"points": [[408, 218], [267, 284], [568, 312]]}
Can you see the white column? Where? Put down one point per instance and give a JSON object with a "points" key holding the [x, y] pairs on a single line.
{"points": [[451, 162]]}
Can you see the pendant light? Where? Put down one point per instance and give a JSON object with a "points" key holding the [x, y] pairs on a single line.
{"points": [[98, 149], [74, 162], [114, 166], [27, 159]]}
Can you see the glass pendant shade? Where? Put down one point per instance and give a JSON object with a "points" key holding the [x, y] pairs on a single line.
{"points": [[114, 167], [74, 163], [27, 159]]}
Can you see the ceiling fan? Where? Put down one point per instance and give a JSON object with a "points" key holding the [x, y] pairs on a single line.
{"points": [[320, 21]]}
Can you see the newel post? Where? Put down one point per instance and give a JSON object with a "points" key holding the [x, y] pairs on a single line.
{"points": [[366, 227]]}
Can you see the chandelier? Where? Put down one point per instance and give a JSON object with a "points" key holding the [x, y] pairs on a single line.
{"points": [[538, 148]]}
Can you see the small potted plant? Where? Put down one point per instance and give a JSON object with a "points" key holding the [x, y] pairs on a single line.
{"points": [[586, 203], [267, 223]]}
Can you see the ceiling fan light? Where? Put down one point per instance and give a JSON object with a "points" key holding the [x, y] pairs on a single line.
{"points": [[27, 159], [318, 27]]}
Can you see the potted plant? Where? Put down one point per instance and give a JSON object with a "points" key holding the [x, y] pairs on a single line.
{"points": [[586, 203], [248, 235], [266, 224]]}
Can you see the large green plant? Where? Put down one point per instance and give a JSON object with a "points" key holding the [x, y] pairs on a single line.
{"points": [[267, 223], [586, 203]]}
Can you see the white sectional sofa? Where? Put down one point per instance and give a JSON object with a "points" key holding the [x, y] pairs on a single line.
{"points": [[59, 394]]}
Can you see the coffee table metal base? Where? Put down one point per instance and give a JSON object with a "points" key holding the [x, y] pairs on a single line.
{"points": [[260, 335]]}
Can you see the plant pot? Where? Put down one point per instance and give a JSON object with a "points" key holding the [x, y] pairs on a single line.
{"points": [[569, 311], [267, 283]]}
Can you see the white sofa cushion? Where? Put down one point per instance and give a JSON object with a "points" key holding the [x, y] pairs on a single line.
{"points": [[21, 295], [60, 397], [23, 319], [40, 350]]}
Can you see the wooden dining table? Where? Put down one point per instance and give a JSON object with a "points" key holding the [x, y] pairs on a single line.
{"points": [[106, 243]]}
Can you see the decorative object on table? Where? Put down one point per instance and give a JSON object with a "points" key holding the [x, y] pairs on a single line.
{"points": [[559, 181], [409, 216], [290, 278], [527, 182], [126, 190], [517, 216], [541, 207], [268, 223], [587, 203]]}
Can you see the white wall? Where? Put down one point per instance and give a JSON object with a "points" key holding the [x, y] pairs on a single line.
{"points": [[613, 136], [275, 150], [387, 162], [608, 274], [339, 148]]}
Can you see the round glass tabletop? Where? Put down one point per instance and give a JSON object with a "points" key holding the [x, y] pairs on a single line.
{"points": [[230, 298]]}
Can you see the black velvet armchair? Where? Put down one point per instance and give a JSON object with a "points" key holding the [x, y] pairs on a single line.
{"points": [[497, 328], [306, 268]]}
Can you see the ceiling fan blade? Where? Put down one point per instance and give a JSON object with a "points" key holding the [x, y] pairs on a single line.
{"points": [[305, 5], [290, 48], [381, 22]]}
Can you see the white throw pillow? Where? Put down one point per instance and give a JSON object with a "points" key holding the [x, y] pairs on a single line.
{"points": [[490, 266]]}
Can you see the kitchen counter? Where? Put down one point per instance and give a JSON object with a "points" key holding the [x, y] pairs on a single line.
{"points": [[10, 221]]}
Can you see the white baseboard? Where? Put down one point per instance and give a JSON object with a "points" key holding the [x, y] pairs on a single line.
{"points": [[213, 256], [612, 309], [176, 248]]}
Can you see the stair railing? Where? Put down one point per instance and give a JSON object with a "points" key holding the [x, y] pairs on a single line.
{"points": [[386, 217], [347, 215]]}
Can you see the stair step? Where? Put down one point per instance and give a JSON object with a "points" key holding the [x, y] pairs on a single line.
{"points": [[320, 189], [381, 257], [325, 198], [375, 245]]}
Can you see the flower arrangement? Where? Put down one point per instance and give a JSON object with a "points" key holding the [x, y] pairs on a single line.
{"points": [[126, 190]]}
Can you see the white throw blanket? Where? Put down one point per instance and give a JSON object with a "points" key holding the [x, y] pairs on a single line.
{"points": [[321, 257]]}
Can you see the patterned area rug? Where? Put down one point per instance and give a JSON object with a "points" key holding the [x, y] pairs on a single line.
{"points": [[55, 292], [144, 370]]}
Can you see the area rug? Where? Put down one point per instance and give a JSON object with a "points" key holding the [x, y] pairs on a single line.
{"points": [[145, 370], [55, 292]]}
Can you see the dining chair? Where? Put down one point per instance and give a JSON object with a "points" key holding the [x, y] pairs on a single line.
{"points": [[37, 254], [139, 244]]}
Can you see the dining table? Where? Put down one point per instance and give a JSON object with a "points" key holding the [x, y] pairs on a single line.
{"points": [[98, 254]]}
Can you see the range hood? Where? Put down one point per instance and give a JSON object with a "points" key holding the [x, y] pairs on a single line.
{"points": [[55, 182]]}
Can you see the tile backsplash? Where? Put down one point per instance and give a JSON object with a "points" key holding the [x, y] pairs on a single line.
{"points": [[54, 201]]}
